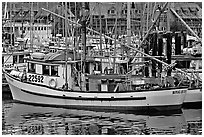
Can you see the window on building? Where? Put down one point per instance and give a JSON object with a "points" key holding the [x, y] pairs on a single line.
{"points": [[21, 58], [163, 28], [108, 11], [46, 70], [44, 28], [38, 28], [41, 28], [193, 10], [14, 59], [178, 11], [54, 70], [31, 67], [112, 11]]}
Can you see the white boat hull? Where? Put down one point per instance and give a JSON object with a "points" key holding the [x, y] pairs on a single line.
{"points": [[166, 99], [193, 96]]}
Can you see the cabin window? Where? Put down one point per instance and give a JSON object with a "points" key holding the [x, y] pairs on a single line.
{"points": [[21, 58], [14, 59], [45, 70], [31, 67], [54, 70]]}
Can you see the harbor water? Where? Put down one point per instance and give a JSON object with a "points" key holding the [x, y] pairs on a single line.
{"points": [[25, 119]]}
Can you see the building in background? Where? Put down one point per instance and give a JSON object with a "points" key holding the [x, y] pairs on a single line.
{"points": [[142, 14]]}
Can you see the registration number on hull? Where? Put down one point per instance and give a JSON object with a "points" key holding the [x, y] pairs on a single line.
{"points": [[179, 92], [35, 78]]}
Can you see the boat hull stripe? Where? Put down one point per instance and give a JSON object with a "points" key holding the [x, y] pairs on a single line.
{"points": [[86, 98]]}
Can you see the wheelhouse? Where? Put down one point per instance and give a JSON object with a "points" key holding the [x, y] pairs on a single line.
{"points": [[15, 59], [49, 71]]}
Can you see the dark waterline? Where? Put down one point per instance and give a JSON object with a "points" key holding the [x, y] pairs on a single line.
{"points": [[24, 119]]}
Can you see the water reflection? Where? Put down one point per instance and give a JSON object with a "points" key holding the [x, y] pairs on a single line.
{"points": [[194, 120], [25, 119]]}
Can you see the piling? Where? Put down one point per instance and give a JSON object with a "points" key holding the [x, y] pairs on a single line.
{"points": [[169, 49], [154, 53], [177, 43], [146, 50], [184, 34], [160, 49]]}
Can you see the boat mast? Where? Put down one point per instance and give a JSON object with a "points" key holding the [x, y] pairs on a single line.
{"points": [[135, 49], [100, 30], [67, 45], [147, 21], [83, 36], [115, 35], [75, 32], [22, 20], [47, 23], [101, 50], [12, 29], [5, 11], [128, 30]]}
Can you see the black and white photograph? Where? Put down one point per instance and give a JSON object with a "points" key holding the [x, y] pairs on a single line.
{"points": [[101, 67]]}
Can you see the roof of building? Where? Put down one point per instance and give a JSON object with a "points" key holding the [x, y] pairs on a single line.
{"points": [[188, 10], [106, 7]]}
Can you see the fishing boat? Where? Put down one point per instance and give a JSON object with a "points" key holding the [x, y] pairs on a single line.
{"points": [[190, 61], [45, 84], [58, 80]]}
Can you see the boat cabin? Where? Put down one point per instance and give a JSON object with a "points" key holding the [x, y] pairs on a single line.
{"points": [[15, 59], [49, 69]]}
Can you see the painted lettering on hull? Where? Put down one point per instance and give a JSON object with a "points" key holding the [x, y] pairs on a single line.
{"points": [[179, 92], [36, 78]]}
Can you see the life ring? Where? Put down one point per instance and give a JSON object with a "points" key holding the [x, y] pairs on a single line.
{"points": [[52, 83]]}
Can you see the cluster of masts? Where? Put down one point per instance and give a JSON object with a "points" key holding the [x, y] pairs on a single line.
{"points": [[159, 50]]}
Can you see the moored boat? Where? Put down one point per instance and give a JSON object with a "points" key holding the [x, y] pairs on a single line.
{"points": [[59, 80], [45, 84]]}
